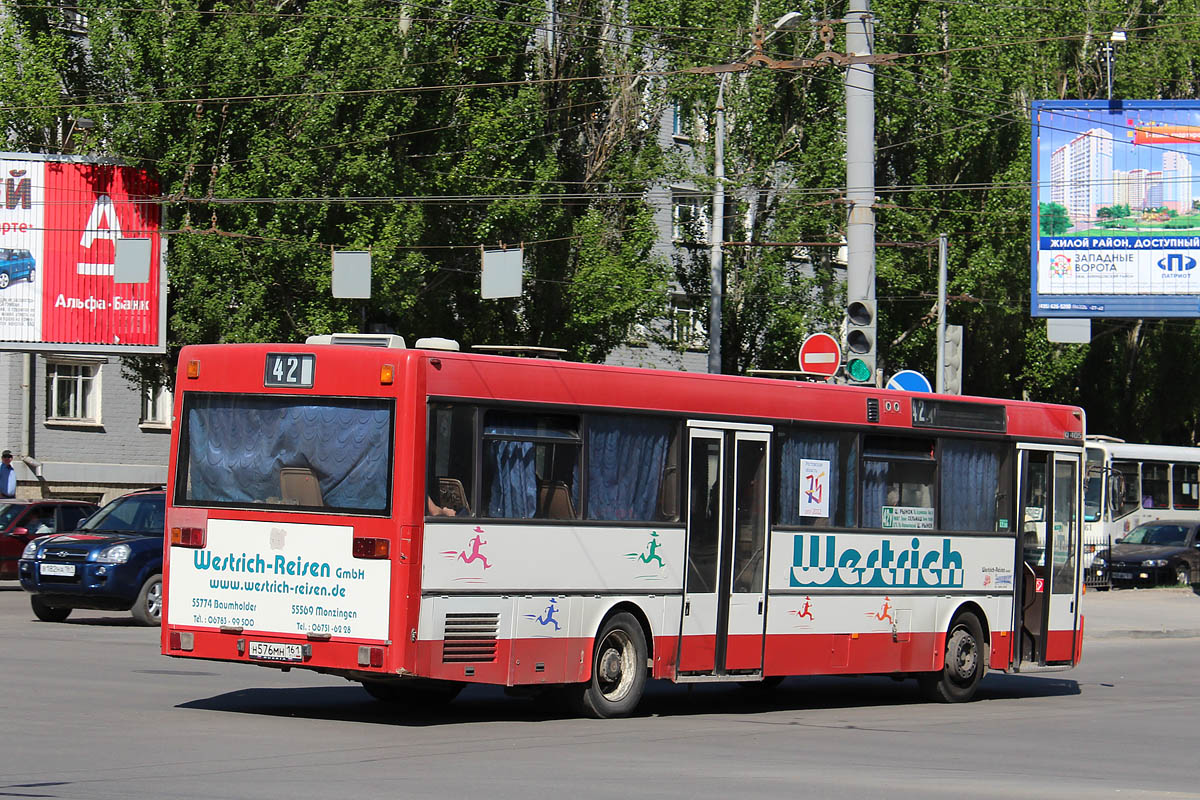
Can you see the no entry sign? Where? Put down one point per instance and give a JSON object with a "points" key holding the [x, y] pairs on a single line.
{"points": [[820, 355]]}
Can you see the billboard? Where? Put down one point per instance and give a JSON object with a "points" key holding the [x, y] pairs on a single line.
{"points": [[1116, 208], [59, 224]]}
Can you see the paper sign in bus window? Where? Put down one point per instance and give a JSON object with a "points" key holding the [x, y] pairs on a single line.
{"points": [[814, 488], [908, 517]]}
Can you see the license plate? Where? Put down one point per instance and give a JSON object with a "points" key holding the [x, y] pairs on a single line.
{"points": [[276, 651], [1122, 576], [61, 570]]}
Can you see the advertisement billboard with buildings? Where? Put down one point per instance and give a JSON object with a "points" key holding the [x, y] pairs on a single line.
{"points": [[1116, 208], [59, 224]]}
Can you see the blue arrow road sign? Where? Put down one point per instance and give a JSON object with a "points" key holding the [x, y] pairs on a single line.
{"points": [[909, 380]]}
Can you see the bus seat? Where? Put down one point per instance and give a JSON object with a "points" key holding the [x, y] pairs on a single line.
{"points": [[451, 494], [299, 486], [554, 500]]}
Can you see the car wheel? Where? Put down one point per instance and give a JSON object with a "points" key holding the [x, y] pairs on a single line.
{"points": [[957, 681], [4, 279], [48, 613], [1183, 575], [30, 276], [148, 608]]}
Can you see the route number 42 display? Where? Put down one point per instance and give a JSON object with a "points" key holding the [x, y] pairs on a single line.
{"points": [[290, 369]]}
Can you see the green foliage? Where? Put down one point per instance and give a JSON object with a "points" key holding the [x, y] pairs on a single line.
{"points": [[282, 131], [1054, 220], [424, 130]]}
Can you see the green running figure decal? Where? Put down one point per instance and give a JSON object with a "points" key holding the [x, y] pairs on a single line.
{"points": [[652, 555]]}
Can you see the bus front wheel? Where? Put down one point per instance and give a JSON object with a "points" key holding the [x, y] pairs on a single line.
{"points": [[618, 671], [958, 679]]}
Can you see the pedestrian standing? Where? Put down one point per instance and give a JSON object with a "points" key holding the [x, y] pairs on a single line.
{"points": [[8, 476]]}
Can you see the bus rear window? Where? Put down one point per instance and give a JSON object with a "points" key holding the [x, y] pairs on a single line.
{"points": [[321, 453]]}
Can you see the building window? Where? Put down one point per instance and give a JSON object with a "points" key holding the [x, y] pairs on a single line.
{"points": [[156, 405], [688, 327], [689, 217], [73, 392], [678, 120]]}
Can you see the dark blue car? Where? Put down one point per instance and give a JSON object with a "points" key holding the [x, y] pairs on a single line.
{"points": [[112, 561], [15, 265]]}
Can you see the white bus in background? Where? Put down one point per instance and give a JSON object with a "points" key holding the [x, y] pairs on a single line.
{"points": [[1128, 484]]}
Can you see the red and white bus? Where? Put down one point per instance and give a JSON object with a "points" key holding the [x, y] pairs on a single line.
{"points": [[420, 519]]}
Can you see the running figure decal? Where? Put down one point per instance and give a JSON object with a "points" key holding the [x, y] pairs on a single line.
{"points": [[649, 556], [547, 616], [470, 554], [804, 613]]}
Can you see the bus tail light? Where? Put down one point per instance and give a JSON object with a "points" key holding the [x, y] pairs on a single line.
{"points": [[368, 547], [193, 368], [188, 537], [370, 656], [387, 374], [182, 641]]}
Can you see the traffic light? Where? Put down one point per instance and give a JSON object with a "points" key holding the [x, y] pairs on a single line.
{"points": [[952, 374], [860, 341]]}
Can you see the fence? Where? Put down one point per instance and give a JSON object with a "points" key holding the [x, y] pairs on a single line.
{"points": [[1094, 578]]}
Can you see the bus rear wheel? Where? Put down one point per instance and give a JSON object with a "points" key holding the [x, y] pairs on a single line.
{"points": [[958, 679], [618, 671]]}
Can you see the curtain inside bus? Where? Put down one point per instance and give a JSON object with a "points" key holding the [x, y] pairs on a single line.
{"points": [[835, 448], [240, 449], [625, 467], [513, 479], [970, 486]]}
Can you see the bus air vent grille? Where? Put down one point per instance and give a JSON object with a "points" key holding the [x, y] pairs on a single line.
{"points": [[470, 637]]}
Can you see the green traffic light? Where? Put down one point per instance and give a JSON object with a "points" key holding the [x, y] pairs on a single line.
{"points": [[858, 370]]}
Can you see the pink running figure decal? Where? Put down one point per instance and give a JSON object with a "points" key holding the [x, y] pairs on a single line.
{"points": [[474, 555]]}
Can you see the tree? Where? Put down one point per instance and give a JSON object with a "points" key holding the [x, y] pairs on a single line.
{"points": [[282, 131], [1054, 220]]}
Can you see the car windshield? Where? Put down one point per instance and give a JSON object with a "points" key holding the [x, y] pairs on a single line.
{"points": [[9, 511], [135, 513], [1157, 534]]}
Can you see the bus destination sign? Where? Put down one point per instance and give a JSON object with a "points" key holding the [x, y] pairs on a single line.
{"points": [[290, 369]]}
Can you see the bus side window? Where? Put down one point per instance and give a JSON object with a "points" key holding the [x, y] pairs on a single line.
{"points": [[974, 480], [898, 482], [828, 484], [1156, 485], [1184, 489], [524, 452], [451, 468], [632, 468]]}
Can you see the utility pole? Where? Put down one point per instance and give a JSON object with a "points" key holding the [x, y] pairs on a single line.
{"points": [[860, 174], [860, 188], [716, 253], [940, 382]]}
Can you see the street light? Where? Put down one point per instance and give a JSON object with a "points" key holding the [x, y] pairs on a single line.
{"points": [[716, 256], [1118, 37]]}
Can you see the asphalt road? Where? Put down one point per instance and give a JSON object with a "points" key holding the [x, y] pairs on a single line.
{"points": [[89, 709]]}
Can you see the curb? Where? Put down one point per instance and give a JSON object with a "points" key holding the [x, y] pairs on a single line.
{"points": [[1180, 633]]}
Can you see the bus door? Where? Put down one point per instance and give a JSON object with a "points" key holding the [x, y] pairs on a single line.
{"points": [[1047, 607], [724, 593]]}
